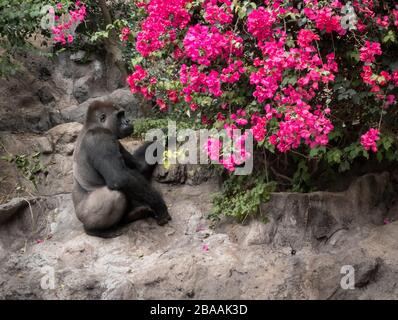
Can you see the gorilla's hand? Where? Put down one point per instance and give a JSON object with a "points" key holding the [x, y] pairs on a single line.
{"points": [[163, 218]]}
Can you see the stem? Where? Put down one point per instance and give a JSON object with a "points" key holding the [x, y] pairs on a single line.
{"points": [[381, 118], [111, 44], [266, 166]]}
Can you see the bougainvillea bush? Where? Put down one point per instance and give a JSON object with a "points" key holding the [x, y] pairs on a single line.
{"points": [[314, 81], [318, 78]]}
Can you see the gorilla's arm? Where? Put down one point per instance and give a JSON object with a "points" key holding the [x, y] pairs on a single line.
{"points": [[130, 160], [105, 156], [137, 160]]}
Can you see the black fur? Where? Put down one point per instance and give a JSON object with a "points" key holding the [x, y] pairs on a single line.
{"points": [[103, 166]]}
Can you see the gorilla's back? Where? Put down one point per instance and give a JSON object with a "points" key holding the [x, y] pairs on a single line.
{"points": [[83, 172]]}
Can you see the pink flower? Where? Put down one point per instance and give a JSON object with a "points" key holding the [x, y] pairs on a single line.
{"points": [[193, 106], [213, 149], [215, 14], [325, 19], [138, 75], [305, 37], [368, 52], [125, 33], [259, 128], [368, 140], [395, 15], [172, 95], [162, 105], [62, 32], [394, 77], [70, 38], [390, 100], [205, 247], [260, 22], [203, 44], [228, 161], [162, 16]]}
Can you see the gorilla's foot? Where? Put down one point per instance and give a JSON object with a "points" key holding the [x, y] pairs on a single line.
{"points": [[138, 213], [161, 221], [107, 234]]}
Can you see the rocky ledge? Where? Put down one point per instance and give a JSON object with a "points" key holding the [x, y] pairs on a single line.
{"points": [[297, 254]]}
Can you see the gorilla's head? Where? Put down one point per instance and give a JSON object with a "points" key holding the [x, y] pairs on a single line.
{"points": [[104, 114]]}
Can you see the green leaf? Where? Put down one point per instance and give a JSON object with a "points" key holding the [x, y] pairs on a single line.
{"points": [[317, 151], [334, 156], [389, 37], [387, 142], [344, 166]]}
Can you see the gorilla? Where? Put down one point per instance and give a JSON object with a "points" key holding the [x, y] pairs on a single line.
{"points": [[111, 186]]}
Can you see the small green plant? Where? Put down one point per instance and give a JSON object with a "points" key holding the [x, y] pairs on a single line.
{"points": [[28, 164], [142, 126], [241, 196], [301, 178]]}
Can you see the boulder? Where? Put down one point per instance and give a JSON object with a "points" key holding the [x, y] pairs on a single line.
{"points": [[9, 209], [121, 97], [298, 219]]}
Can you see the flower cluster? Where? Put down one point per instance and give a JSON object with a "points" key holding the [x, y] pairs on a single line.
{"points": [[203, 44], [157, 28], [268, 68], [125, 33], [216, 14], [369, 51], [63, 31], [135, 81], [368, 140]]}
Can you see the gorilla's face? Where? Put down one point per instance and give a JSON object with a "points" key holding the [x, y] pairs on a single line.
{"points": [[123, 126], [115, 120]]}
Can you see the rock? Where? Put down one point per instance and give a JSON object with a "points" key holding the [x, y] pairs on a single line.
{"points": [[9, 209], [64, 136], [176, 173], [257, 233], [56, 149], [366, 272], [92, 83], [45, 95], [197, 174], [81, 90], [298, 218], [191, 174], [298, 254], [44, 145], [187, 258], [120, 290], [44, 73], [79, 56], [121, 97]]}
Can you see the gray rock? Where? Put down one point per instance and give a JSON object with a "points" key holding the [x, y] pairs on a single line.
{"points": [[176, 173], [9, 209], [297, 218], [45, 95], [79, 56], [81, 89], [45, 145], [197, 174], [121, 97]]}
